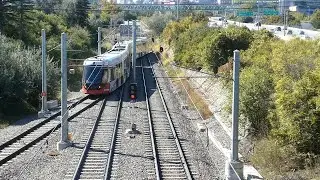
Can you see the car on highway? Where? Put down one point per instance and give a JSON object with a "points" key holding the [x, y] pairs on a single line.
{"points": [[278, 28], [289, 32], [301, 33], [258, 24]]}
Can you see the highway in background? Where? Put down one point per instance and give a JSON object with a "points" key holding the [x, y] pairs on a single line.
{"points": [[296, 32]]}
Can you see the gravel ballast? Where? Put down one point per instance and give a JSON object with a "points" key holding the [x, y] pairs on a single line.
{"points": [[132, 157]]}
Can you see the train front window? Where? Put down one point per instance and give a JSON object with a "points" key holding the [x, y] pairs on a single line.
{"points": [[92, 76]]}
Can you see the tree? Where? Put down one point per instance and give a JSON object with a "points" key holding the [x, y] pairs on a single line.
{"points": [[20, 76], [81, 15], [315, 19], [48, 6], [75, 12], [255, 99], [157, 22], [15, 17], [6, 15]]}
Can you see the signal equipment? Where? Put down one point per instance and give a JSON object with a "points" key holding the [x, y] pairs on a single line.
{"points": [[133, 91]]}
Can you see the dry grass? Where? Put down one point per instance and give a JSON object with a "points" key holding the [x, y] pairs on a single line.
{"points": [[185, 88], [197, 100], [275, 161], [166, 58]]}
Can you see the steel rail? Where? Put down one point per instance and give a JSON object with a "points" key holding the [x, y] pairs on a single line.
{"points": [[11, 141], [46, 133], [107, 171], [183, 159], [151, 129], [77, 173]]}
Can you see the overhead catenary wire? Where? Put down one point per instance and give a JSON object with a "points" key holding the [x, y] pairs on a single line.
{"points": [[41, 146]]}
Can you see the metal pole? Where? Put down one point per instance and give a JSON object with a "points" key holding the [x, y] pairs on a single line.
{"points": [[134, 50], [64, 111], [128, 29], [44, 108], [284, 18], [177, 10], [236, 170], [235, 105], [99, 40]]}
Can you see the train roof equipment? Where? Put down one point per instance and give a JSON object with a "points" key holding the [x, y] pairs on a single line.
{"points": [[114, 56]]}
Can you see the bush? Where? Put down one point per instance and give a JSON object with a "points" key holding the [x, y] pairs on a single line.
{"points": [[20, 75]]}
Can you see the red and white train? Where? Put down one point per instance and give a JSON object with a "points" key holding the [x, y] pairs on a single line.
{"points": [[104, 73]]}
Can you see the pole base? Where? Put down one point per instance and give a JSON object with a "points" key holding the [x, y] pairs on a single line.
{"points": [[234, 172], [43, 114], [62, 145]]}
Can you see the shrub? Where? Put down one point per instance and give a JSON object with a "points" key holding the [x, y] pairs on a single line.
{"points": [[20, 75]]}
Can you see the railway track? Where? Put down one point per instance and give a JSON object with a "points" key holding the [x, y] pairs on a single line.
{"points": [[15, 146], [169, 158], [95, 161]]}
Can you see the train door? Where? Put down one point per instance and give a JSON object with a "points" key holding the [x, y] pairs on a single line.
{"points": [[105, 80], [128, 65], [123, 73], [118, 74], [112, 78]]}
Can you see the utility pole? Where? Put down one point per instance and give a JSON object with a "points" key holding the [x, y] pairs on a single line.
{"points": [[44, 108], [234, 167], [64, 143], [134, 50], [99, 41]]}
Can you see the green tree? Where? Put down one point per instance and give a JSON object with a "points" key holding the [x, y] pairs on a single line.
{"points": [[255, 99], [20, 76], [81, 15], [315, 19], [157, 22], [7, 15], [48, 6]]}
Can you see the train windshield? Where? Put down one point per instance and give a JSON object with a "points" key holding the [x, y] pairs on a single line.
{"points": [[92, 76]]}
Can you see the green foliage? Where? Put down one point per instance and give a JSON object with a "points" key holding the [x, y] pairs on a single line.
{"points": [[157, 22], [315, 19], [20, 75], [129, 16], [272, 156], [108, 11], [48, 6], [16, 19], [297, 94], [79, 39], [75, 12], [255, 97], [294, 111], [272, 19]]}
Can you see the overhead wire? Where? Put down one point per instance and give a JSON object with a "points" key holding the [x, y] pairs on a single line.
{"points": [[41, 146]]}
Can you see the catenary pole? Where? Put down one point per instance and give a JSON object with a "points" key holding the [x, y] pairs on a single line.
{"points": [[99, 40], [64, 111], [234, 168], [134, 50], [44, 106]]}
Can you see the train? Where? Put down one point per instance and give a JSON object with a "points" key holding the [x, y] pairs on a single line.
{"points": [[105, 73]]}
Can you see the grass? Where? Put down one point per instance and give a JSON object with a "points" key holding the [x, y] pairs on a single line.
{"points": [[276, 161], [185, 88]]}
